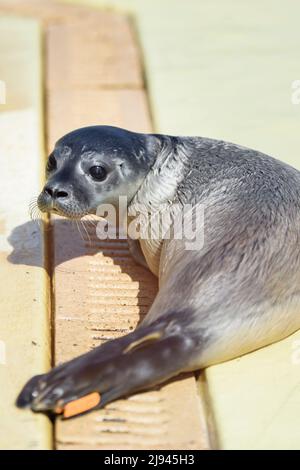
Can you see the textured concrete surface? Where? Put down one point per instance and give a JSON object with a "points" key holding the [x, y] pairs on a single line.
{"points": [[101, 294], [24, 325], [256, 398]]}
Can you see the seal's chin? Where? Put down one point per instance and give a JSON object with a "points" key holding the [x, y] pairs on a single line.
{"points": [[69, 213]]}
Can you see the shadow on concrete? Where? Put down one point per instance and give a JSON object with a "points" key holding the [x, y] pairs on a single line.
{"points": [[27, 241]]}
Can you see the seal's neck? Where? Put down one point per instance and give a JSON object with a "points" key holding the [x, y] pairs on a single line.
{"points": [[159, 186], [157, 193]]}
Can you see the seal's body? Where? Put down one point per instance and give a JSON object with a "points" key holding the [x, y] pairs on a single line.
{"points": [[234, 294]]}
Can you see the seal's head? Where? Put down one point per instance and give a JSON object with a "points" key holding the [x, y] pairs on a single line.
{"points": [[95, 165]]}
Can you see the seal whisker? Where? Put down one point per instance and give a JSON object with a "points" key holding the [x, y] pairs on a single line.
{"points": [[78, 228], [87, 234], [93, 223], [32, 205], [36, 216], [35, 213]]}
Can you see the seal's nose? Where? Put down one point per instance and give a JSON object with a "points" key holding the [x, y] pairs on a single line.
{"points": [[55, 192]]}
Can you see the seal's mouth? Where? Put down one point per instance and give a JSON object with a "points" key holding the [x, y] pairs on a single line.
{"points": [[69, 213], [69, 209]]}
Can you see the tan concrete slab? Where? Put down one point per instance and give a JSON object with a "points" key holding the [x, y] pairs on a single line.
{"points": [[256, 398], [102, 294], [99, 291], [24, 325], [110, 56], [146, 421]]}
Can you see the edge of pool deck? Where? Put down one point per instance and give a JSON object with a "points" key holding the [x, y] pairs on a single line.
{"points": [[24, 286]]}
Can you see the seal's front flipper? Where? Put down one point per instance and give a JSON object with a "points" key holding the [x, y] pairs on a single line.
{"points": [[24, 400], [145, 358]]}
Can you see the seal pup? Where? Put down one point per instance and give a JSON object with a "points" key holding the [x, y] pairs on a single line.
{"points": [[238, 292]]}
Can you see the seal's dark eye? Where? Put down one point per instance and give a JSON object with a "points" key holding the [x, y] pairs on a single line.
{"points": [[99, 173], [51, 163]]}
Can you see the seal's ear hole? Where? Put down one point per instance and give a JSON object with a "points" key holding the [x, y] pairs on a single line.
{"points": [[122, 167]]}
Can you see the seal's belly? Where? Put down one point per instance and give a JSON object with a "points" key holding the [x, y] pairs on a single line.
{"points": [[247, 335]]}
